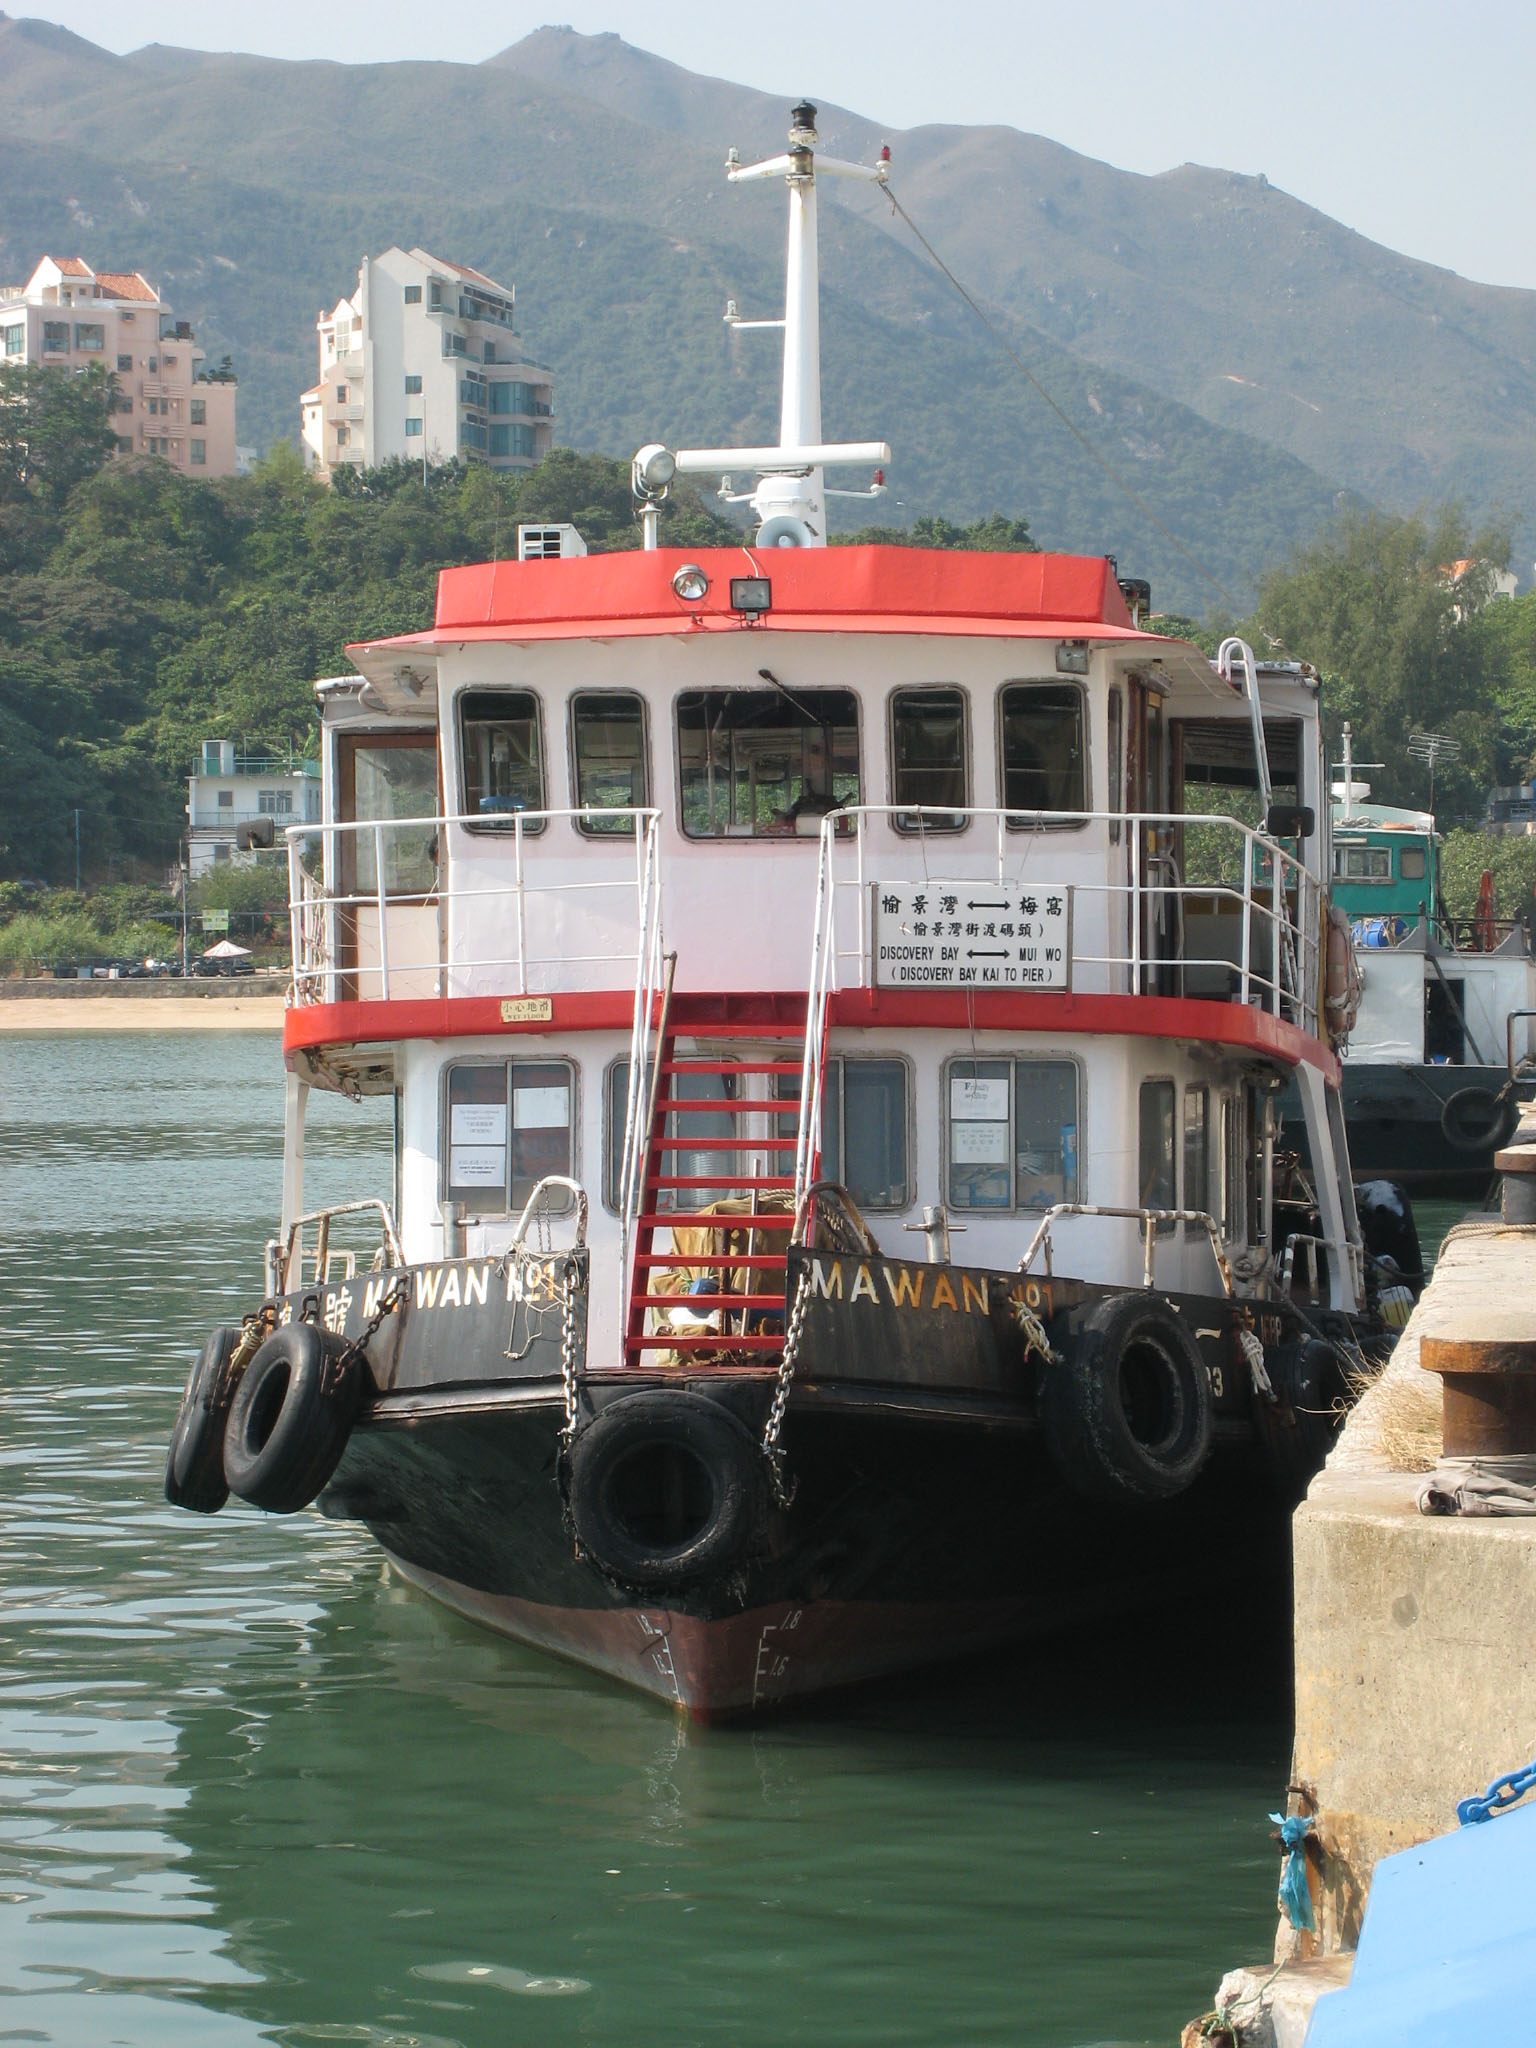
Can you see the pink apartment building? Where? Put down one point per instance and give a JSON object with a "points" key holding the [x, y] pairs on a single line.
{"points": [[67, 316]]}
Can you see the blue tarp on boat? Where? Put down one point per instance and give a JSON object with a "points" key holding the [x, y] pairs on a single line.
{"points": [[1448, 1950]]}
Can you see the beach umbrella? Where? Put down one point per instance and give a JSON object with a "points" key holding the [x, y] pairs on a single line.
{"points": [[226, 949]]}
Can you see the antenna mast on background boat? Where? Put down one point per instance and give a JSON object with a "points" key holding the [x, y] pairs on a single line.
{"points": [[790, 495]]}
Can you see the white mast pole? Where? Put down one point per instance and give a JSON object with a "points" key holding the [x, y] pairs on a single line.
{"points": [[800, 411]]}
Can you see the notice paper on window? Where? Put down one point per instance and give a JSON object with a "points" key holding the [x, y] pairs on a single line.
{"points": [[477, 1166], [978, 1101], [541, 1109], [479, 1123], [978, 1144]]}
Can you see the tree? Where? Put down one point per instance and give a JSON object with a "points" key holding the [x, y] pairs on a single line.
{"points": [[997, 534], [1403, 648], [55, 430]]}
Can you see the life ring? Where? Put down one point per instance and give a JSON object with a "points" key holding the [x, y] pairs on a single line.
{"points": [[666, 1491], [1296, 1430], [1477, 1120], [194, 1465], [290, 1419], [1128, 1416]]}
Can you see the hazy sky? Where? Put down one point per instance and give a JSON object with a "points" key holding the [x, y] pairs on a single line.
{"points": [[1409, 121]]}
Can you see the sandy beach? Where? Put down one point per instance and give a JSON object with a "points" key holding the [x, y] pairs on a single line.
{"points": [[123, 1007]]}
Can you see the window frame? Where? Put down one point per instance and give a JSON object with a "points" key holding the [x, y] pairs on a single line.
{"points": [[499, 821], [573, 763], [844, 1060], [909, 825], [1168, 1081], [1202, 1198], [612, 1136], [753, 838], [1075, 822], [1015, 1060], [506, 1064]]}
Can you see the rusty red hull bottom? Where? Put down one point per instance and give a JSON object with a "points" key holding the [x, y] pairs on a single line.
{"points": [[747, 1662]]}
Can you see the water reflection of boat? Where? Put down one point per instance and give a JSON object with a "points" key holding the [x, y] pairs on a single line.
{"points": [[951, 955]]}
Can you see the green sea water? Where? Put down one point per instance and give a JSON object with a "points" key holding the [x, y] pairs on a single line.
{"points": [[253, 1789]]}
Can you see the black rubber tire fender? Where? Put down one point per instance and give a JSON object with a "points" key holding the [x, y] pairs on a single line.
{"points": [[1297, 1430], [1477, 1120], [667, 1490], [290, 1419], [194, 1464], [1127, 1416]]}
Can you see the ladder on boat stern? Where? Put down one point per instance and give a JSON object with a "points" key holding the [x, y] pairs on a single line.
{"points": [[751, 1320]]}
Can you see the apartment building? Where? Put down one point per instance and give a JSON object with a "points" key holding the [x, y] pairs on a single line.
{"points": [[67, 316], [422, 363]]}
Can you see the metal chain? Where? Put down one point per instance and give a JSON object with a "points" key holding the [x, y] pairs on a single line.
{"points": [[784, 1489], [568, 1388], [1501, 1793]]}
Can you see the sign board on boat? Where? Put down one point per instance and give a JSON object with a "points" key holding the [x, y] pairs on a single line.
{"points": [[972, 935]]}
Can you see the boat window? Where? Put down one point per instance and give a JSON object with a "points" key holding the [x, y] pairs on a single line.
{"points": [[863, 1129], [1156, 1186], [1044, 759], [1012, 1133], [388, 780], [929, 757], [1364, 863], [609, 758], [1411, 864], [502, 751], [765, 762], [710, 1163], [1116, 762], [509, 1123], [1197, 1149], [1233, 1211]]}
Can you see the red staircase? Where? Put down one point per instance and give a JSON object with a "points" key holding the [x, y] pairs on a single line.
{"points": [[778, 1021]]}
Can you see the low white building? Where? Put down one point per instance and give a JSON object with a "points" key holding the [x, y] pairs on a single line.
{"points": [[231, 789], [422, 363]]}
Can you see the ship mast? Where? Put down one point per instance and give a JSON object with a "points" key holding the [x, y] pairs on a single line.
{"points": [[790, 495]]}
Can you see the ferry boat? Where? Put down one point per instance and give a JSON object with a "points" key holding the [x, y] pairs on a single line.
{"points": [[837, 1220], [1442, 1040]]}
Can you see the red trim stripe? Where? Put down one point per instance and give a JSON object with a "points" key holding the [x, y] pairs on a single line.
{"points": [[1230, 1024]]}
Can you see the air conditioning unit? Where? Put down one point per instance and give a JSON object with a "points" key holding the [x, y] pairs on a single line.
{"points": [[548, 543]]}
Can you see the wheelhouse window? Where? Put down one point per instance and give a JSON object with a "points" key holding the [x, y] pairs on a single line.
{"points": [[1156, 1186], [501, 746], [864, 1125], [509, 1123], [709, 1163], [761, 763], [1044, 758], [388, 780], [929, 758], [1363, 863], [1012, 1133], [1197, 1148], [609, 754]]}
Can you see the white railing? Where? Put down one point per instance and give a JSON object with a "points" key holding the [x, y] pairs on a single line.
{"points": [[388, 939], [652, 982], [1146, 913]]}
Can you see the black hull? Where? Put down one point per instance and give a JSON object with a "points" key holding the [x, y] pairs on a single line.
{"points": [[909, 1541], [1395, 1117]]}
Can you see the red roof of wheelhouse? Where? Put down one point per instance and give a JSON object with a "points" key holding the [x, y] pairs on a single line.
{"points": [[865, 589]]}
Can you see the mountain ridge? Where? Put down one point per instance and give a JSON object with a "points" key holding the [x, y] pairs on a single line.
{"points": [[588, 173]]}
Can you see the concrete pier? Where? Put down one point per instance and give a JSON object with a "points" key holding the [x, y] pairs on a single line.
{"points": [[1414, 1680]]}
